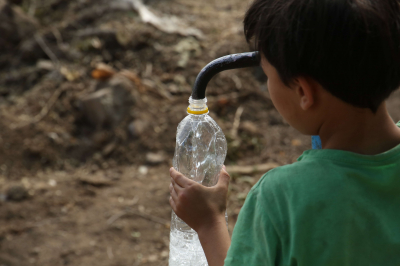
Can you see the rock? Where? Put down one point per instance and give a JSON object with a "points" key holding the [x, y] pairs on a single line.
{"points": [[137, 128], [97, 180], [106, 107], [187, 48], [152, 258], [16, 193], [155, 158], [296, 142], [164, 254], [97, 107], [3, 197], [143, 170], [45, 65]]}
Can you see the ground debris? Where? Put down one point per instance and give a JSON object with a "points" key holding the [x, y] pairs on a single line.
{"points": [[250, 127], [250, 169], [103, 72], [97, 180], [16, 193], [155, 158], [15, 25], [138, 127], [107, 106], [167, 24]]}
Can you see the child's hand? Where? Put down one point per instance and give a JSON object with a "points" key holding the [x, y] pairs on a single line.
{"points": [[199, 206]]}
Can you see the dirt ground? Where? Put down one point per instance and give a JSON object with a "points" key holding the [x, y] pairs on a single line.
{"points": [[90, 99]]}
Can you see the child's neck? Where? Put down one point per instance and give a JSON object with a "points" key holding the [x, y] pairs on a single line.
{"points": [[360, 131]]}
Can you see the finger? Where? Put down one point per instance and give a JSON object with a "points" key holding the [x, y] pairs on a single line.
{"points": [[174, 188], [172, 203], [175, 185], [224, 178], [174, 195], [180, 179]]}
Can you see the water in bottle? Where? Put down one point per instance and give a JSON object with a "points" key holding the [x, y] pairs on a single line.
{"points": [[199, 155]]}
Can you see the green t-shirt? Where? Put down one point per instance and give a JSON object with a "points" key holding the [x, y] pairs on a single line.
{"points": [[331, 208]]}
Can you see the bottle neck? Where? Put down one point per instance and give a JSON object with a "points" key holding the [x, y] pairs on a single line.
{"points": [[197, 107]]}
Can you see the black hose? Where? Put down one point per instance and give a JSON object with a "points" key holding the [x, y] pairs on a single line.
{"points": [[232, 61]]}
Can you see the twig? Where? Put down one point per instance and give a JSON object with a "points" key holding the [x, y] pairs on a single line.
{"points": [[148, 217], [45, 110], [250, 169], [237, 81], [236, 122], [158, 87], [32, 8], [228, 96], [94, 32], [115, 217], [58, 37], [110, 253], [47, 50], [149, 70]]}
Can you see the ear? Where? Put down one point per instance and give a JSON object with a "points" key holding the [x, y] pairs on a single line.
{"points": [[305, 90]]}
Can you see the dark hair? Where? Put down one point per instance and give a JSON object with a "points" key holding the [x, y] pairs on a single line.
{"points": [[351, 47]]}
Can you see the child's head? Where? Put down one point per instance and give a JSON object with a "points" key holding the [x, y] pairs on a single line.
{"points": [[350, 47]]}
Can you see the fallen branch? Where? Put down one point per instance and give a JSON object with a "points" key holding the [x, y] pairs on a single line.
{"points": [[166, 24], [250, 169]]}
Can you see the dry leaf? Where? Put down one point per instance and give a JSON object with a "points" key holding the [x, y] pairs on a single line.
{"points": [[103, 72]]}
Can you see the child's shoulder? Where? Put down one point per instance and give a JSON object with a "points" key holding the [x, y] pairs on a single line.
{"points": [[327, 168], [318, 173], [296, 174], [307, 178]]}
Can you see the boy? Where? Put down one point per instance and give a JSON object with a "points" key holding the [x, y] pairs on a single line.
{"points": [[330, 66]]}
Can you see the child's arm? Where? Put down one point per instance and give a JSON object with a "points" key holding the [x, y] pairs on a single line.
{"points": [[203, 209], [215, 242]]}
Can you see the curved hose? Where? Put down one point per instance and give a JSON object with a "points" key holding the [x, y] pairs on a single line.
{"points": [[232, 61]]}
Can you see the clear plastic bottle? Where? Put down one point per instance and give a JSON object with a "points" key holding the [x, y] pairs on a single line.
{"points": [[199, 155]]}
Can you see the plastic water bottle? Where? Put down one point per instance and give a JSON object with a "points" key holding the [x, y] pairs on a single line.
{"points": [[199, 155]]}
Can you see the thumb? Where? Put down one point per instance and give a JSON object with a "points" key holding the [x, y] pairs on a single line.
{"points": [[223, 178]]}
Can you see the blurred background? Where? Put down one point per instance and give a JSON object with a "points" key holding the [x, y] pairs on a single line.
{"points": [[91, 93]]}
